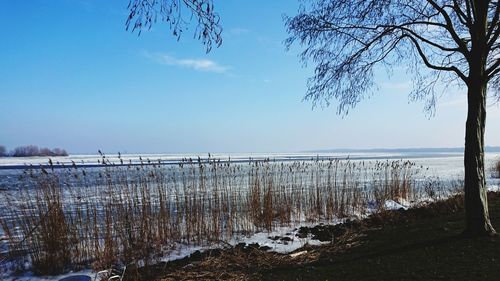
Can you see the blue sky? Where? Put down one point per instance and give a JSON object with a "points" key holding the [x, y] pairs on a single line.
{"points": [[72, 77]]}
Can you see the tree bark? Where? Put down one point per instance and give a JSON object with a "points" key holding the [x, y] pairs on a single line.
{"points": [[476, 201], [476, 198]]}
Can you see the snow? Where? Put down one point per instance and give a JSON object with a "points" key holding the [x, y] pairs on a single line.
{"points": [[183, 250], [28, 276], [494, 187], [287, 242], [393, 205], [388, 205]]}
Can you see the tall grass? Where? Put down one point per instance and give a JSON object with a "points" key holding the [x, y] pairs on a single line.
{"points": [[496, 169], [77, 217]]}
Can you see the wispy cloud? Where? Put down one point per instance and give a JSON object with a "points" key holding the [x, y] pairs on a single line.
{"points": [[205, 65]]}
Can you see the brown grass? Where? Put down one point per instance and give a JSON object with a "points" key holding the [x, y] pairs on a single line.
{"points": [[496, 169], [248, 262], [75, 217]]}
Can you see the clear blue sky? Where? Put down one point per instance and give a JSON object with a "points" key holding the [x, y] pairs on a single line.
{"points": [[72, 77]]}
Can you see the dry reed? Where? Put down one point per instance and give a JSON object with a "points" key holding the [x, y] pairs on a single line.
{"points": [[496, 169], [76, 217]]}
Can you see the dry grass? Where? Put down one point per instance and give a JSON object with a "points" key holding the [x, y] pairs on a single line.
{"points": [[496, 169], [231, 264], [251, 263], [75, 217]]}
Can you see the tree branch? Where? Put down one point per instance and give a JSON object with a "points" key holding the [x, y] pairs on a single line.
{"points": [[449, 27], [492, 69], [430, 65]]}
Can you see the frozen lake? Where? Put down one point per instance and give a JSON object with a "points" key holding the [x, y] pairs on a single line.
{"points": [[443, 165]]}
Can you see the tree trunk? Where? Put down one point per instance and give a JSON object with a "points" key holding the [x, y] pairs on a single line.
{"points": [[476, 197], [476, 201]]}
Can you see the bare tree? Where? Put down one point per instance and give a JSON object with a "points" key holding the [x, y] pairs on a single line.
{"points": [[33, 150], [440, 41], [44, 151], [59, 152], [28, 150], [3, 151], [178, 14]]}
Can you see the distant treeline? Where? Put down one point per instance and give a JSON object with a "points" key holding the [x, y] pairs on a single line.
{"points": [[31, 150]]}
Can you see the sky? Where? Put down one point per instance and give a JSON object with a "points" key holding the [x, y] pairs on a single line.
{"points": [[71, 76]]}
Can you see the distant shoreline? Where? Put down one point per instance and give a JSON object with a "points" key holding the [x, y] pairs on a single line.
{"points": [[32, 151], [402, 150]]}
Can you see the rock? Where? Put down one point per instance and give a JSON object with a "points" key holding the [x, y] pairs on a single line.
{"points": [[265, 248], [195, 256], [253, 246]]}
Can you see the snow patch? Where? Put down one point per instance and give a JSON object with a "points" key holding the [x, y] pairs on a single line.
{"points": [[494, 187], [393, 205], [28, 276]]}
